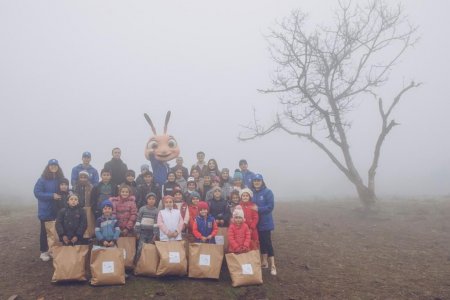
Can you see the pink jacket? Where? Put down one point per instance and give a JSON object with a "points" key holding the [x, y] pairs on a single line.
{"points": [[125, 211]]}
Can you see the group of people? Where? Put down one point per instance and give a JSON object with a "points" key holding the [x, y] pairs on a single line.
{"points": [[188, 204]]}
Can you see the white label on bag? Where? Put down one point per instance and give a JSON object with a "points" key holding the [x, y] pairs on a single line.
{"points": [[247, 269], [174, 257], [205, 260], [220, 240], [108, 267]]}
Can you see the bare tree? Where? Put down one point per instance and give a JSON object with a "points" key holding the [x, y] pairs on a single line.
{"points": [[321, 74]]}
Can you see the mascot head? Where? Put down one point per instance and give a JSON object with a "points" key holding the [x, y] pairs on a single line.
{"points": [[163, 147]]}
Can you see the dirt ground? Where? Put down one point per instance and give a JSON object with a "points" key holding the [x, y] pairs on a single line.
{"points": [[324, 250]]}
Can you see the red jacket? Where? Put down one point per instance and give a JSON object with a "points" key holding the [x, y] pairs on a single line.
{"points": [[193, 213], [251, 218], [125, 211], [238, 238]]}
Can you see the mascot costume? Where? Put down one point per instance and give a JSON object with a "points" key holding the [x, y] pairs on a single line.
{"points": [[159, 150]]}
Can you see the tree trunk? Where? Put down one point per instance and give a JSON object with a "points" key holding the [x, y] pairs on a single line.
{"points": [[365, 194]]}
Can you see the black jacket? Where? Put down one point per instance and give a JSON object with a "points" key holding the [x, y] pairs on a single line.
{"points": [[71, 221]]}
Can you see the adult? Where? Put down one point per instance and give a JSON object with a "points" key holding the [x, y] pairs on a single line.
{"points": [[264, 199], [117, 167], [200, 165], [45, 191], [84, 166], [179, 165], [246, 173]]}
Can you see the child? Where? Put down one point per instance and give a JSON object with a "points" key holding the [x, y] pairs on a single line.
{"points": [[219, 208], [83, 188], [238, 233], [63, 191], [170, 222], [146, 224], [237, 181], [250, 215], [204, 227], [169, 185], [198, 180], [234, 201], [71, 222], [102, 191], [140, 179], [180, 180], [215, 182], [182, 206], [206, 186], [149, 186], [107, 229], [225, 183], [191, 187], [130, 175], [193, 209], [124, 208]]}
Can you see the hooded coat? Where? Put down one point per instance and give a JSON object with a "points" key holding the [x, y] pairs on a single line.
{"points": [[264, 199], [70, 222]]}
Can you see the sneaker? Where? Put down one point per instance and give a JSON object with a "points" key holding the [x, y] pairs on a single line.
{"points": [[44, 256], [273, 270]]}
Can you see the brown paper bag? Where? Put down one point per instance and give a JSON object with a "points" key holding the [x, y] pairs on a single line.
{"points": [[205, 260], [90, 230], [107, 266], [245, 268], [128, 243], [52, 236], [222, 238], [148, 261], [69, 263], [172, 258]]}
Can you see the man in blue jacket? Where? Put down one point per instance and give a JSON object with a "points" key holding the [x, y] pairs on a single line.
{"points": [[85, 166]]}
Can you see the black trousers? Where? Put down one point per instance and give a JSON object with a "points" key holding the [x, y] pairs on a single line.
{"points": [[265, 243], [43, 238]]}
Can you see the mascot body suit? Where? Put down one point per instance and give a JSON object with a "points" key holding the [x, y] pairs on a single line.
{"points": [[159, 150]]}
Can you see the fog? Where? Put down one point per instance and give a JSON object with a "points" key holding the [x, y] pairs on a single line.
{"points": [[79, 75]]}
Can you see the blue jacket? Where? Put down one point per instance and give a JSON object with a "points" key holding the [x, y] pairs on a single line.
{"points": [[43, 191], [160, 170], [205, 227], [93, 174], [247, 178], [265, 201], [107, 229]]}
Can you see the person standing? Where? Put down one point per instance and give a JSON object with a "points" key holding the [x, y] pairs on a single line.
{"points": [[246, 173], [45, 191], [200, 165], [117, 167], [179, 165], [264, 199], [85, 166]]}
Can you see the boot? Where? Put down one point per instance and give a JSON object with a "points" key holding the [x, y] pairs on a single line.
{"points": [[273, 269], [264, 263]]}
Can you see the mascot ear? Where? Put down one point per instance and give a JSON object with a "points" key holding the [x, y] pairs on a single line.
{"points": [[151, 123], [166, 122]]}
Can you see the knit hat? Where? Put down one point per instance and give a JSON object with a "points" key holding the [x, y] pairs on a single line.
{"points": [[106, 203], [150, 195], [85, 173], [145, 167], [246, 190], [195, 194], [130, 173], [191, 179], [238, 212], [237, 176], [203, 205], [64, 180], [216, 188], [52, 162]]}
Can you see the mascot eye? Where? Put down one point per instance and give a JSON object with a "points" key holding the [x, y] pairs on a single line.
{"points": [[172, 143], [152, 145]]}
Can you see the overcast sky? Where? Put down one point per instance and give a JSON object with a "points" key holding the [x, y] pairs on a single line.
{"points": [[79, 75]]}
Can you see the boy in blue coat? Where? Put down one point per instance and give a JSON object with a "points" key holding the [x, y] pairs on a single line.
{"points": [[107, 229], [205, 227]]}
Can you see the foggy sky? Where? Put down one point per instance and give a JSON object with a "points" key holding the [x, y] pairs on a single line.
{"points": [[79, 75]]}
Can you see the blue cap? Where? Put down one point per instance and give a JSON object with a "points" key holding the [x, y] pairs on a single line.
{"points": [[53, 162], [258, 177], [86, 154], [106, 203]]}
